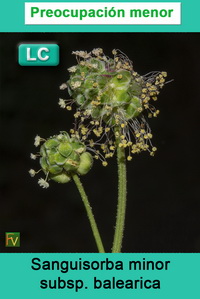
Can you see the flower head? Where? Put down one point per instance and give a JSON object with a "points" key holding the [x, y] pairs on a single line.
{"points": [[111, 101], [60, 157]]}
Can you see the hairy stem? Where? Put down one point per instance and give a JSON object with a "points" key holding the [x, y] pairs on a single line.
{"points": [[121, 208], [89, 213]]}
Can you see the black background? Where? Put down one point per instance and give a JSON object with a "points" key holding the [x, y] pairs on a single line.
{"points": [[163, 212]]}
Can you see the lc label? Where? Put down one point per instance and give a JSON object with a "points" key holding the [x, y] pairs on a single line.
{"points": [[38, 54]]}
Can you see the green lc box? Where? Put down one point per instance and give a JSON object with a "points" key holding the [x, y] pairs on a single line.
{"points": [[38, 54]]}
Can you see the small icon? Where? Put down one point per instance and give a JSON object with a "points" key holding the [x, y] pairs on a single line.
{"points": [[38, 54], [12, 239]]}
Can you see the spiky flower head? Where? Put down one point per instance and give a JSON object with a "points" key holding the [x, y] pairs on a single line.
{"points": [[111, 99], [61, 156]]}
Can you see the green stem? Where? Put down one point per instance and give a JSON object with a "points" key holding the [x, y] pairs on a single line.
{"points": [[89, 213], [121, 208]]}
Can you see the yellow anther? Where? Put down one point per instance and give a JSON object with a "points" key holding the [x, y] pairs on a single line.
{"points": [[150, 135], [164, 74], [95, 103], [91, 142], [69, 108], [129, 158], [154, 149], [162, 80], [84, 131], [146, 100], [139, 109], [77, 114], [144, 90], [152, 88], [104, 163], [119, 76], [107, 130]]}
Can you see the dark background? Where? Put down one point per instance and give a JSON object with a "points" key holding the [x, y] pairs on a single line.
{"points": [[163, 212]]}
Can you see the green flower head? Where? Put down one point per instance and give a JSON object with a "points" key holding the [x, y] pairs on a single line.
{"points": [[111, 100], [60, 157]]}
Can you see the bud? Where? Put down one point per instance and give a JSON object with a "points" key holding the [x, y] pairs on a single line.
{"points": [[86, 162]]}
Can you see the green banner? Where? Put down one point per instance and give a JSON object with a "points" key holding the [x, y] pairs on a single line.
{"points": [[60, 275]]}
